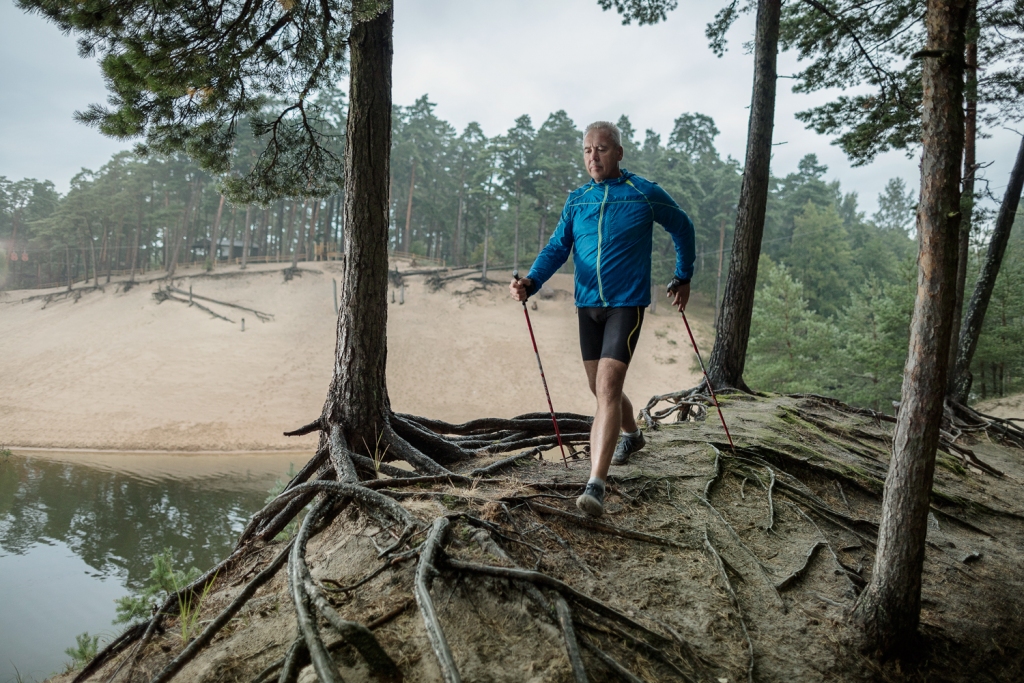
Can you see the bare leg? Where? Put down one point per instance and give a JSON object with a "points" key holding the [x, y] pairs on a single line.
{"points": [[614, 411]]}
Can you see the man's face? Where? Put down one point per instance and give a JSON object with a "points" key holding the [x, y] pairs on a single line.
{"points": [[601, 155]]}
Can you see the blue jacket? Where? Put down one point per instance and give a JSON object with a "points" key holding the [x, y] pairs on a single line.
{"points": [[609, 228]]}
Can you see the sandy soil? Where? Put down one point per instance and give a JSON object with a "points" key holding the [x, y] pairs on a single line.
{"points": [[1007, 407], [119, 370]]}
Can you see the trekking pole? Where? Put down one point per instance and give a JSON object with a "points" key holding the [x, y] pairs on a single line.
{"points": [[544, 381], [708, 380]]}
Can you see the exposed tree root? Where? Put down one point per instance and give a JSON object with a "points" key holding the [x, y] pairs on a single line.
{"points": [[799, 573], [720, 565], [263, 317], [614, 666], [424, 577], [519, 521], [162, 295], [579, 671], [591, 523]]}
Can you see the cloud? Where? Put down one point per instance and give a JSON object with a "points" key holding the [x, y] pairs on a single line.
{"points": [[488, 62]]}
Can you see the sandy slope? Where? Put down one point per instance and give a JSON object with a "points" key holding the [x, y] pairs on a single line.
{"points": [[1005, 407], [118, 370]]}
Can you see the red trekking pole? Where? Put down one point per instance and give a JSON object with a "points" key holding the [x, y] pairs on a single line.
{"points": [[710, 388], [551, 408]]}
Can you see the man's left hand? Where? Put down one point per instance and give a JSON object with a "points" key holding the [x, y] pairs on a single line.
{"points": [[680, 295]]}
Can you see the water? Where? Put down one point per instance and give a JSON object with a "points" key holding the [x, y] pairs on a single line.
{"points": [[78, 529]]}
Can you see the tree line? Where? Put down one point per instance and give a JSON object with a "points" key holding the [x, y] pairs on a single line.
{"points": [[830, 316]]}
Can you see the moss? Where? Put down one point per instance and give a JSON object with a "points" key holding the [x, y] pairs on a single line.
{"points": [[948, 462]]}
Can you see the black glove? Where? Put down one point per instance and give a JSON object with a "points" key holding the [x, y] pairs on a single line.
{"points": [[676, 283]]}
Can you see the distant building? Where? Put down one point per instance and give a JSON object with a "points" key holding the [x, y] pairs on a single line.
{"points": [[224, 247]]}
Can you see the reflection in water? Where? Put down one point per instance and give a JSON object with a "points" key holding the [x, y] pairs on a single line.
{"points": [[113, 512]]}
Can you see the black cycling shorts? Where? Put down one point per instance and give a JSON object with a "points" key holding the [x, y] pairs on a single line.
{"points": [[609, 332]]}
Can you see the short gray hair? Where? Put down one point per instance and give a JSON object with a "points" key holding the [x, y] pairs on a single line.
{"points": [[608, 127]]}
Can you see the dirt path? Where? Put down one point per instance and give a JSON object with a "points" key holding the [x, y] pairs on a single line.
{"points": [[121, 371]]}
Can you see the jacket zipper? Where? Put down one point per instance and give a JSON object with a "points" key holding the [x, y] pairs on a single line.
{"points": [[600, 225]]}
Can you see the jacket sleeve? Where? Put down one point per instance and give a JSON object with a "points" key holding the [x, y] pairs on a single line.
{"points": [[555, 252], [675, 221]]}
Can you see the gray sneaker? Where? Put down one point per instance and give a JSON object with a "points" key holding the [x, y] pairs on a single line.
{"points": [[627, 446], [592, 500]]}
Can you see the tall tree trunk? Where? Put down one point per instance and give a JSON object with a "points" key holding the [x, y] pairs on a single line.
{"points": [[112, 257], [890, 606], [184, 228], [718, 280], [291, 230], [483, 275], [729, 354], [14, 247], [311, 239], [541, 224], [986, 282], [135, 248], [214, 236], [280, 229], [104, 256], [456, 245], [967, 196], [302, 230], [167, 234], [329, 227], [407, 238], [261, 243], [357, 400], [515, 249], [341, 223], [245, 235], [95, 268]]}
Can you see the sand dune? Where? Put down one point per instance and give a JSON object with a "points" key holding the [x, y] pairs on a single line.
{"points": [[121, 371]]}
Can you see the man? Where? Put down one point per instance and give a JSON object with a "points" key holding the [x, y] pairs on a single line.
{"points": [[608, 225]]}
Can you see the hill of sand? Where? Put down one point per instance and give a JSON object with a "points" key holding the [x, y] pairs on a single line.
{"points": [[120, 370]]}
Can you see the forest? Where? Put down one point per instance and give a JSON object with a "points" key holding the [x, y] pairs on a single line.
{"points": [[835, 291]]}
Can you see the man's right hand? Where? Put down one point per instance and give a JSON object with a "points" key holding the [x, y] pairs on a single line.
{"points": [[519, 288]]}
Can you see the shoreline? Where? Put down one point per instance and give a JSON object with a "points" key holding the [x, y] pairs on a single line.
{"points": [[140, 451]]}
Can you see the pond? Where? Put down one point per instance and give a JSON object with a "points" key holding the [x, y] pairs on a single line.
{"points": [[79, 529]]}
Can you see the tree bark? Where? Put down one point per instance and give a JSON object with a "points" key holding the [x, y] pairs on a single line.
{"points": [[728, 356], [889, 609], [718, 279], [986, 282], [357, 400], [967, 196]]}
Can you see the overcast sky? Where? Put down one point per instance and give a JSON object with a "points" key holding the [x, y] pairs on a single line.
{"points": [[489, 62]]}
